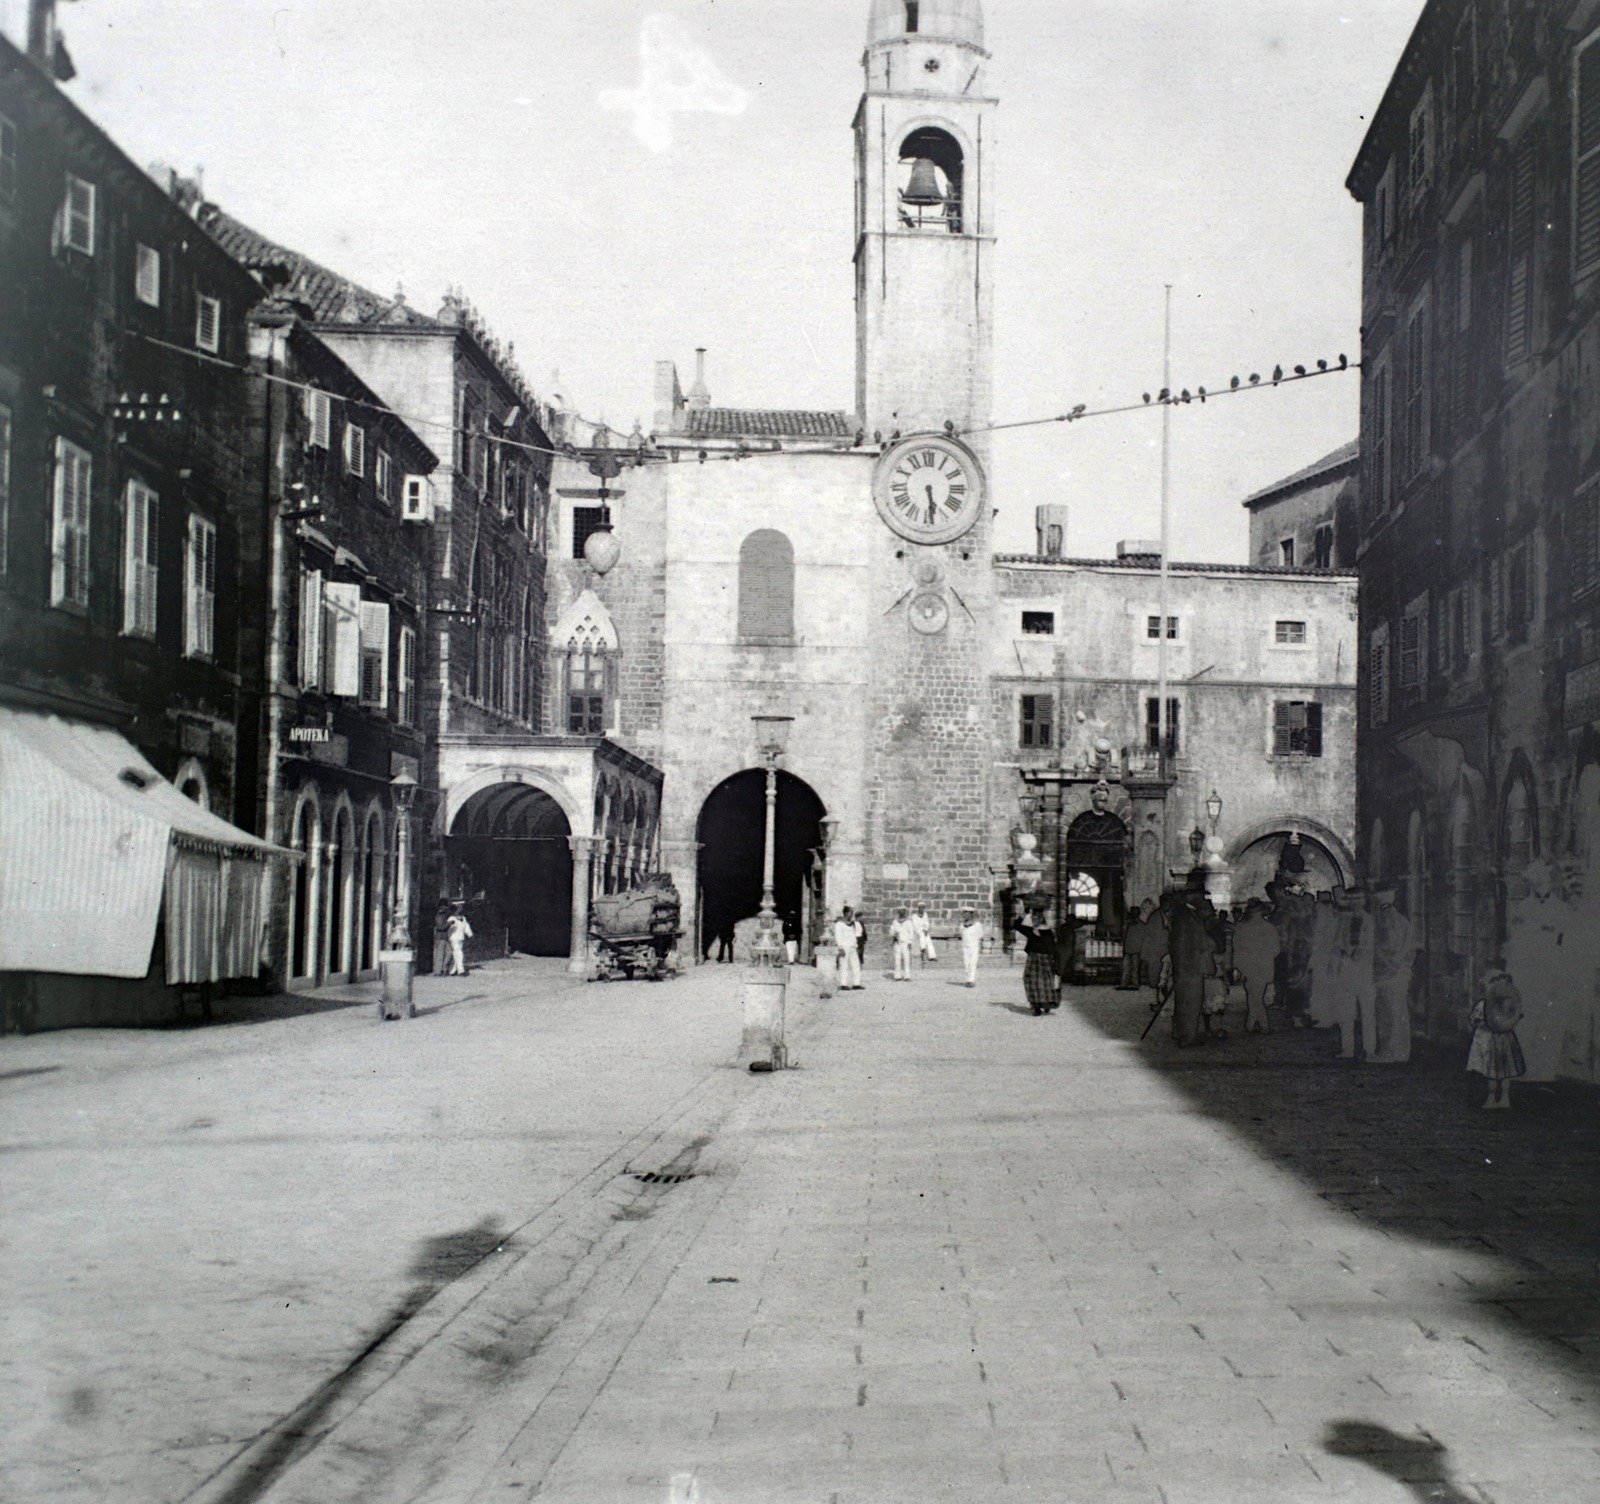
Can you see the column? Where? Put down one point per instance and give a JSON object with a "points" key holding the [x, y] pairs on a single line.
{"points": [[582, 861]]}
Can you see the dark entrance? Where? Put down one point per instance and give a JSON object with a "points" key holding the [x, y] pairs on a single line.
{"points": [[732, 834], [509, 843], [1096, 851]]}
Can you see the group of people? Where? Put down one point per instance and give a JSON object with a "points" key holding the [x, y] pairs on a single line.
{"points": [[1340, 957], [910, 934]]}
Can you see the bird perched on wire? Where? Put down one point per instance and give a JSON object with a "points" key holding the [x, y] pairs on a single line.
{"points": [[1299, 370], [1277, 374]]}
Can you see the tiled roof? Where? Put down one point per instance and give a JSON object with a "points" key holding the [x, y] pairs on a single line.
{"points": [[1152, 562], [1343, 455], [332, 299], [737, 422]]}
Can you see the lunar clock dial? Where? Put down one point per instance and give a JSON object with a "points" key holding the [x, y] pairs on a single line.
{"points": [[929, 488], [929, 613]]}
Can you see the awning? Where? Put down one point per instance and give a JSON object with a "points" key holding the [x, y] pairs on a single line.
{"points": [[87, 830]]}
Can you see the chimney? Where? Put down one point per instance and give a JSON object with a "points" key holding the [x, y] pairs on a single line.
{"points": [[1050, 522], [699, 397], [45, 47], [1139, 551], [669, 398]]}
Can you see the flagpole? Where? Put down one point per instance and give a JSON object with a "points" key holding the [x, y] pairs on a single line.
{"points": [[1162, 729]]}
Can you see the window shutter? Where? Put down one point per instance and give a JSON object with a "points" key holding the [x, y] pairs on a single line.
{"points": [[1519, 288], [69, 563], [380, 473], [207, 323], [79, 215], [1586, 160], [408, 676], [139, 561], [1378, 677], [344, 638], [147, 275], [766, 585], [1280, 728], [5, 487], [1416, 392], [1583, 538], [311, 611], [375, 654], [1380, 439], [355, 449], [201, 588], [1313, 728], [319, 415]]}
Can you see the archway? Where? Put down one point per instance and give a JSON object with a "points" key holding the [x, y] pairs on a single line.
{"points": [[1097, 845], [1257, 865], [732, 836], [341, 897], [509, 842], [306, 881], [374, 886]]}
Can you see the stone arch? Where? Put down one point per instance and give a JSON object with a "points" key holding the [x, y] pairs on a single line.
{"points": [[340, 894], [451, 805], [509, 857], [1287, 825], [374, 885], [305, 888], [1517, 830]]}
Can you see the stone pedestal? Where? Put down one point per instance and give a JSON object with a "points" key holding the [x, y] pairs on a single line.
{"points": [[764, 993]]}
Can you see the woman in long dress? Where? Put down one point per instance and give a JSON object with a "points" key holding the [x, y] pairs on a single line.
{"points": [[1040, 983]]}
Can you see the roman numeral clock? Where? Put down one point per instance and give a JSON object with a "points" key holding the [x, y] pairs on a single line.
{"points": [[929, 488]]}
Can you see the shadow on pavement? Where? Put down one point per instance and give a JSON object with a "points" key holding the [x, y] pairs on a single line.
{"points": [[1417, 1462], [439, 1262], [1408, 1149]]}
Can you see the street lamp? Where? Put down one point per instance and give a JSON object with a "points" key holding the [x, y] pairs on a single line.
{"points": [[1197, 842], [1214, 809], [772, 736], [398, 962]]}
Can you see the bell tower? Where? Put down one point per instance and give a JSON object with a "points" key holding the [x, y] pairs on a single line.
{"points": [[924, 236]]}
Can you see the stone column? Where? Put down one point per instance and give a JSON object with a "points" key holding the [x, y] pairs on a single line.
{"points": [[582, 860]]}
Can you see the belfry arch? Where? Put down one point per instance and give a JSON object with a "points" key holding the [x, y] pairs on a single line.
{"points": [[509, 842]]}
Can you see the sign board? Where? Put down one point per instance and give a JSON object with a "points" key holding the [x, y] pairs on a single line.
{"points": [[310, 734]]}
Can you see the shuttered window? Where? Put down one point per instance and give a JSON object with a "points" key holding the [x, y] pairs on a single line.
{"points": [[341, 632], [1378, 676], [355, 449], [766, 587], [1461, 394], [311, 615], [1378, 476], [69, 544], [382, 474], [1038, 714], [1519, 287], [207, 324], [1152, 726], [1297, 728], [1586, 158], [140, 531], [147, 275], [375, 654], [1583, 539], [5, 487], [1416, 414], [77, 216], [406, 679], [200, 593], [319, 419]]}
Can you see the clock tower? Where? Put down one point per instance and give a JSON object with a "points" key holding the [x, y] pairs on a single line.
{"points": [[924, 237]]}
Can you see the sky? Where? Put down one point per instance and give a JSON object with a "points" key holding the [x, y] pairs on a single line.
{"points": [[615, 182]]}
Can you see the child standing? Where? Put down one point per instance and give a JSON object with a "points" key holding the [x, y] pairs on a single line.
{"points": [[1495, 1054]]}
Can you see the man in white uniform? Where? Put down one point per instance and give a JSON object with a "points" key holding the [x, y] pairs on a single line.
{"points": [[844, 936], [971, 944], [903, 932], [919, 921]]}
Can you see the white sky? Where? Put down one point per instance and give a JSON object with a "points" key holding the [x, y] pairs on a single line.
{"points": [[1199, 142]]}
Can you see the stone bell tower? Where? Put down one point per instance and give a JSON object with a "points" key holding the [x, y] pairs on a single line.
{"points": [[924, 234]]}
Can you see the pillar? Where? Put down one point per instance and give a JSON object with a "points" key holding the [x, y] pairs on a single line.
{"points": [[582, 861]]}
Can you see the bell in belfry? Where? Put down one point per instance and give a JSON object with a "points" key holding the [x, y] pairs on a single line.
{"points": [[923, 189]]}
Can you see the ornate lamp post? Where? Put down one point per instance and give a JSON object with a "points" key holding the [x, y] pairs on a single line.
{"points": [[397, 964], [1214, 809], [772, 736]]}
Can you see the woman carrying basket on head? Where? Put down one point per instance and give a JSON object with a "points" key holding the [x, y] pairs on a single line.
{"points": [[1040, 983]]}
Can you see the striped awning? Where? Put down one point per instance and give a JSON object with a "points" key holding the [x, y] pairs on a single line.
{"points": [[86, 828]]}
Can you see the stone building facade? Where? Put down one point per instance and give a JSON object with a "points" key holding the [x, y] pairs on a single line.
{"points": [[1480, 510]]}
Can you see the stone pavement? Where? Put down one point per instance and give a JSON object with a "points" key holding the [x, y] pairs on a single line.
{"points": [[959, 1253]]}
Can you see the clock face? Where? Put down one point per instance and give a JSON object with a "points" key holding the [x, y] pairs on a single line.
{"points": [[929, 488]]}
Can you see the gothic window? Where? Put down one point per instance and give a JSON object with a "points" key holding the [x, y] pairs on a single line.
{"points": [[590, 677], [766, 587]]}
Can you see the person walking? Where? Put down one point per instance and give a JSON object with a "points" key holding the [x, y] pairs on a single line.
{"points": [[1392, 952], [456, 933], [1255, 949], [971, 944], [903, 935], [1040, 984], [1134, 934], [924, 931], [861, 939], [844, 936]]}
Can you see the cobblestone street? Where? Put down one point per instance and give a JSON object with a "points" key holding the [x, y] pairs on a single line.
{"points": [[959, 1253]]}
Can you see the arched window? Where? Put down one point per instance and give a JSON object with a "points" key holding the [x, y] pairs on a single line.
{"points": [[930, 181], [766, 587]]}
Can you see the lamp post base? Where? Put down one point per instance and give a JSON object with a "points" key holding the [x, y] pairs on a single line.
{"points": [[396, 968]]}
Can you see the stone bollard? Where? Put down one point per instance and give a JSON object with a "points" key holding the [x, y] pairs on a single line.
{"points": [[827, 955], [395, 968], [766, 983]]}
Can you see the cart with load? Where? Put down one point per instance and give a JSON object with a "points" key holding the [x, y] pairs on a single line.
{"points": [[635, 934]]}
